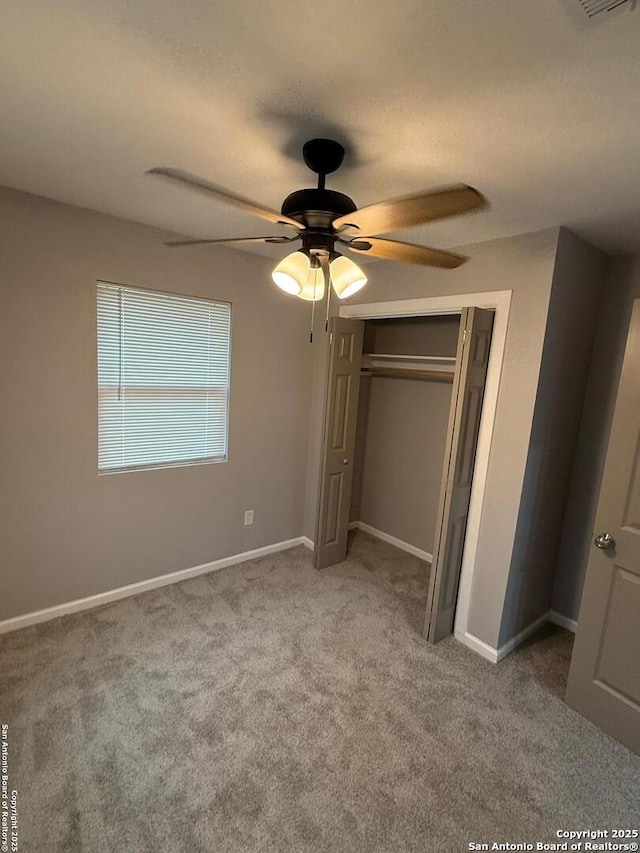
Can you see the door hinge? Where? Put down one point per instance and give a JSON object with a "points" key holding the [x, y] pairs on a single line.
{"points": [[330, 338], [464, 336]]}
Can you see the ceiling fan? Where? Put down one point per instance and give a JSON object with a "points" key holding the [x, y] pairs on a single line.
{"points": [[323, 219]]}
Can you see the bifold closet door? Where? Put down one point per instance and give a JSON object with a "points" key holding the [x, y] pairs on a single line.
{"points": [[339, 439], [474, 341]]}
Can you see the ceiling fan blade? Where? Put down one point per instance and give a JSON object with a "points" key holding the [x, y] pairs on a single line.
{"points": [[393, 250], [221, 194], [174, 243], [412, 210]]}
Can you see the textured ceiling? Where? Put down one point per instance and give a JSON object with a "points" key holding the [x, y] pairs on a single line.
{"points": [[514, 98]]}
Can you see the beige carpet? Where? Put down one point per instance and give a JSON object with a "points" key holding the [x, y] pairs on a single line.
{"points": [[269, 707]]}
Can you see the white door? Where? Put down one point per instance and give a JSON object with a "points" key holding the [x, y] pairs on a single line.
{"points": [[472, 359], [604, 679], [339, 438]]}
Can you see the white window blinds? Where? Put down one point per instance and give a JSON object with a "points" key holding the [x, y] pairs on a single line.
{"points": [[163, 378]]}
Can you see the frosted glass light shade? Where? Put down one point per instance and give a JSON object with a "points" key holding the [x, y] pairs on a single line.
{"points": [[346, 277], [292, 273], [313, 288]]}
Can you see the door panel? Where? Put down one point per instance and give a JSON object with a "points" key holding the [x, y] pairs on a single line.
{"points": [[340, 419], [471, 417], [617, 647], [334, 499], [474, 342], [455, 546], [345, 357], [604, 679], [632, 506]]}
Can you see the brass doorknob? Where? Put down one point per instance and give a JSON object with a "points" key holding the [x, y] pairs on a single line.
{"points": [[605, 542], [345, 461]]}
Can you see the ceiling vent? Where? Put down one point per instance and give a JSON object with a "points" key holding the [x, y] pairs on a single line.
{"points": [[594, 8], [586, 13]]}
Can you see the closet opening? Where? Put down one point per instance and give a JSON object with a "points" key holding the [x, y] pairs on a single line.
{"points": [[403, 410], [401, 425]]}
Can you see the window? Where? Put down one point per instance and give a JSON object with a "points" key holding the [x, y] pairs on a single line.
{"points": [[163, 378]]}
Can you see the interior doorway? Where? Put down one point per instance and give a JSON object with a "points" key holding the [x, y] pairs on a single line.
{"points": [[498, 303]]}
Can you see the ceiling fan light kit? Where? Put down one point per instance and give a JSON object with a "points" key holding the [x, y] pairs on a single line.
{"points": [[323, 218], [313, 288], [302, 275], [291, 273], [346, 277]]}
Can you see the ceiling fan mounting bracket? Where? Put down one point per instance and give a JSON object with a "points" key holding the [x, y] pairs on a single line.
{"points": [[323, 156]]}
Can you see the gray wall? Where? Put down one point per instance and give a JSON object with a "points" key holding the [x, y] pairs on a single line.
{"points": [[621, 287], [573, 308], [402, 427], [414, 335], [524, 265], [66, 532], [403, 456]]}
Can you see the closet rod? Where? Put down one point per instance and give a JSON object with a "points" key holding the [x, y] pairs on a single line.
{"points": [[437, 375], [438, 359]]}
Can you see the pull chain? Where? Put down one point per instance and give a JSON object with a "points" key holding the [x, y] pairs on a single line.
{"points": [[313, 314], [313, 303], [328, 286]]}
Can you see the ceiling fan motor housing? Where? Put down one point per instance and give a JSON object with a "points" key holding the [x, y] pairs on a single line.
{"points": [[317, 208]]}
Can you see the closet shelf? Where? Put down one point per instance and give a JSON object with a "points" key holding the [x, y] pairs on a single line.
{"points": [[435, 359], [410, 373], [438, 367]]}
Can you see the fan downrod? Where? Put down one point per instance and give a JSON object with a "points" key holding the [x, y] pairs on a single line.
{"points": [[317, 208]]}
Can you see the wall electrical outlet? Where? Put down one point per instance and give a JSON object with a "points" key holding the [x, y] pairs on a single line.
{"points": [[248, 517]]}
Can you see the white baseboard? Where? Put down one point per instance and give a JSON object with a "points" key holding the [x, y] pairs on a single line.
{"points": [[563, 621], [392, 540], [514, 642], [385, 537], [496, 655], [483, 649], [17, 622]]}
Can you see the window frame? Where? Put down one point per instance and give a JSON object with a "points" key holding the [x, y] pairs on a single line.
{"points": [[182, 463]]}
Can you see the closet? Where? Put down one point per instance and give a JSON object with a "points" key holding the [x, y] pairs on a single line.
{"points": [[402, 414], [406, 380]]}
